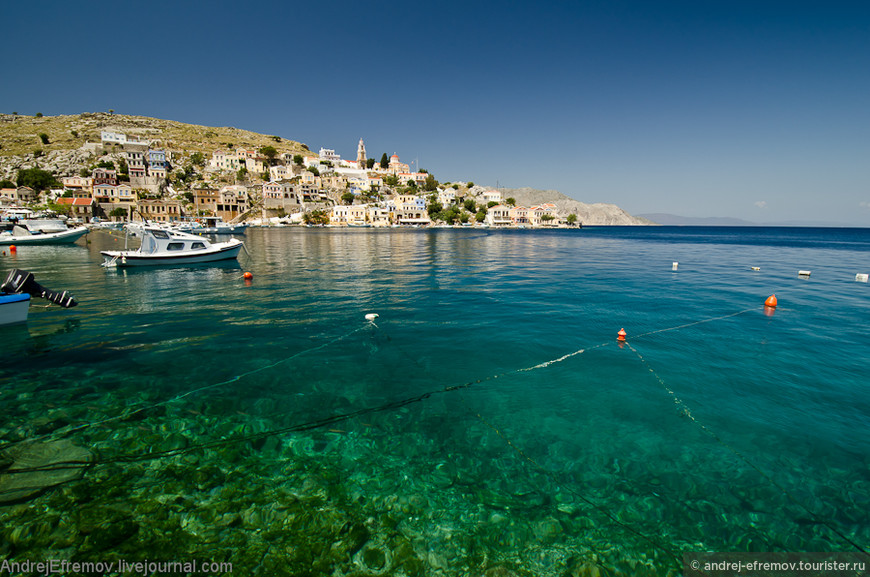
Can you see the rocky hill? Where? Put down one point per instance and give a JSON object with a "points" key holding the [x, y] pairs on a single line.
{"points": [[587, 214], [67, 150]]}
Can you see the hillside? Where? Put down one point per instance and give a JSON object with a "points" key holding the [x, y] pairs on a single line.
{"points": [[19, 138], [587, 214]]}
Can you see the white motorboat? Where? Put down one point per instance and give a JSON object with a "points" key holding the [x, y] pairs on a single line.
{"points": [[162, 246], [27, 235]]}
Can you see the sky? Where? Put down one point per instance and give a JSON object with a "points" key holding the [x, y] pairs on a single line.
{"points": [[754, 110]]}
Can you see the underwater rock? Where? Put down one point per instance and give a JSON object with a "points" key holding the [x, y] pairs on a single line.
{"points": [[37, 466]]}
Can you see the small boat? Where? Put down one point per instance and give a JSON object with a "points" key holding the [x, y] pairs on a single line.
{"points": [[13, 308], [216, 225], [22, 235], [162, 246], [15, 293]]}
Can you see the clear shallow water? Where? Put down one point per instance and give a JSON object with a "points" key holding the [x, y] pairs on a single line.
{"points": [[716, 428]]}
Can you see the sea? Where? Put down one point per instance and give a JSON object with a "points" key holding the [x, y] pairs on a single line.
{"points": [[487, 421]]}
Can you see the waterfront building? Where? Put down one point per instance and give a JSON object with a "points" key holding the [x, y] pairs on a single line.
{"points": [[498, 215], [161, 210], [205, 200], [80, 207], [519, 216]]}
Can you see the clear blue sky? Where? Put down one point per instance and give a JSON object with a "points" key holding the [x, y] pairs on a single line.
{"points": [[757, 110]]}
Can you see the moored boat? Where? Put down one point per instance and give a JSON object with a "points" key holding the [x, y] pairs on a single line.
{"points": [[22, 235], [15, 293], [14, 308], [161, 246]]}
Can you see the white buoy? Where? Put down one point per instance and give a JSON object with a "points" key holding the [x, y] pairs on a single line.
{"points": [[805, 272], [675, 265], [861, 277], [756, 268], [371, 317]]}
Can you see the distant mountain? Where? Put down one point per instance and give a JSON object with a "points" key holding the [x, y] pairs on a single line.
{"points": [[587, 214], [675, 220]]}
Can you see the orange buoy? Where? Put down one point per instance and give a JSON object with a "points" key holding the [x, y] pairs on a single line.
{"points": [[248, 276], [620, 336], [12, 248], [770, 302]]}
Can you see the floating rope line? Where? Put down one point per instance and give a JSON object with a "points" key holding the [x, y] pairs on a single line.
{"points": [[692, 324], [684, 409], [126, 415]]}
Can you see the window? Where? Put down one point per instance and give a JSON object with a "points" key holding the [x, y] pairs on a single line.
{"points": [[176, 246], [197, 246]]}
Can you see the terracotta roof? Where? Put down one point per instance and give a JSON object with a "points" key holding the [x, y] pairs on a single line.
{"points": [[75, 201]]}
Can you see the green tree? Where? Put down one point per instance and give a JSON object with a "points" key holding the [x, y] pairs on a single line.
{"points": [[412, 184], [469, 204], [391, 180], [74, 133], [347, 198], [481, 215], [431, 183], [491, 204], [39, 115], [36, 178], [463, 217], [572, 218], [44, 138], [197, 159], [511, 201], [242, 173], [108, 164], [547, 217], [84, 173], [269, 152], [385, 162], [313, 170], [6, 183], [434, 208], [276, 138], [122, 167], [118, 213], [298, 160], [37, 153], [470, 185], [370, 163]]}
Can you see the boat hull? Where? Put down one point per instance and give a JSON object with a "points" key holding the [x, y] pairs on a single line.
{"points": [[133, 258], [14, 308], [65, 237]]}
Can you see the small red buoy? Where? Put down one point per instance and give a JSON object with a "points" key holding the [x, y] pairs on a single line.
{"points": [[620, 336], [770, 302], [12, 248], [248, 276]]}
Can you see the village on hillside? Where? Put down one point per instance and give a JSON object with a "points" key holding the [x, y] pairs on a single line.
{"points": [[133, 179]]}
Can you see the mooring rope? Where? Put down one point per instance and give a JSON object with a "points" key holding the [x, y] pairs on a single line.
{"points": [[684, 409]]}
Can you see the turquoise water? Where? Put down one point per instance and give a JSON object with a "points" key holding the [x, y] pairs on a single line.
{"points": [[487, 423]]}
